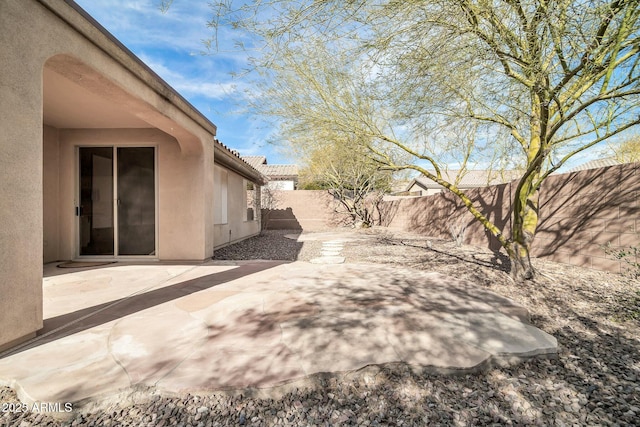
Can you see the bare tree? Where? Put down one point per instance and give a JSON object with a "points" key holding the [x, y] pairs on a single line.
{"points": [[269, 201], [355, 181], [528, 83]]}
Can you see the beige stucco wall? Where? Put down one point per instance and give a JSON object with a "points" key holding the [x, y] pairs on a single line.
{"points": [[20, 174], [236, 228], [415, 188], [51, 194], [283, 185], [38, 32], [180, 235]]}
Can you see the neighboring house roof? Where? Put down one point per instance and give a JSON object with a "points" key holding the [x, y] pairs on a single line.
{"points": [[470, 179], [596, 164], [280, 172], [255, 160]]}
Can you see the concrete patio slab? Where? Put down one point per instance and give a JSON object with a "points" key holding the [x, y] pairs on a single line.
{"points": [[213, 367], [221, 325], [329, 344], [437, 350], [134, 339]]}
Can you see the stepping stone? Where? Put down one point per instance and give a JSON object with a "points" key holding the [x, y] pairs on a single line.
{"points": [[325, 252], [328, 260]]}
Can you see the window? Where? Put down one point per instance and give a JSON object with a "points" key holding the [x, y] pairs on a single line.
{"points": [[220, 185], [249, 200]]}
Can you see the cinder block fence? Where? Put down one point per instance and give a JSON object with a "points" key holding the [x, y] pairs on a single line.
{"points": [[579, 213]]}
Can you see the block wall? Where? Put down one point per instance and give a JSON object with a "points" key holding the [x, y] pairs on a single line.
{"points": [[579, 212], [310, 210]]}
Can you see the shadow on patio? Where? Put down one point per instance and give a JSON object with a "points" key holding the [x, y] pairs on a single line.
{"points": [[60, 326]]}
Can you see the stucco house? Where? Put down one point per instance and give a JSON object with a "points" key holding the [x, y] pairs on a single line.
{"points": [[422, 186], [100, 159], [596, 164], [281, 177]]}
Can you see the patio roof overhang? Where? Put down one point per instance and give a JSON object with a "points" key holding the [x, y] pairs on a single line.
{"points": [[77, 95]]}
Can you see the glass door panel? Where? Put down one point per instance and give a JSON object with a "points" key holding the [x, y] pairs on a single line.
{"points": [[136, 200], [95, 209]]}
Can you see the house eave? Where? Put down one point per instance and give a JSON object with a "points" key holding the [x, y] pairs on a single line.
{"points": [[224, 157], [87, 26], [283, 177]]}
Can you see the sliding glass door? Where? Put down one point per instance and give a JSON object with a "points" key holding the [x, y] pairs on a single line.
{"points": [[95, 210], [117, 201]]}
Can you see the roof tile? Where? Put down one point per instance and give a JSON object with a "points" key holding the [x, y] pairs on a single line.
{"points": [[273, 171], [596, 164], [255, 160], [470, 179]]}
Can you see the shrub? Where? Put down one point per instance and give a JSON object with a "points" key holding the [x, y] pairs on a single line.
{"points": [[629, 256], [458, 231]]}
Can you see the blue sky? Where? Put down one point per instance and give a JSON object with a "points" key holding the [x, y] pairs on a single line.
{"points": [[171, 44]]}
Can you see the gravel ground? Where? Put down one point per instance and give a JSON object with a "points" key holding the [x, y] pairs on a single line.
{"points": [[593, 381], [270, 245]]}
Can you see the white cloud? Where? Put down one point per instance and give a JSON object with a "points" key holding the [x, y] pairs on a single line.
{"points": [[140, 23], [188, 85], [160, 68], [208, 90]]}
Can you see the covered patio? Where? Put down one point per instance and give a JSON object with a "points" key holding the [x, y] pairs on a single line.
{"points": [[99, 159]]}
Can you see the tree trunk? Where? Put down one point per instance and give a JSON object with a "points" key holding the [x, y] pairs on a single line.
{"points": [[525, 223], [526, 200], [521, 267]]}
